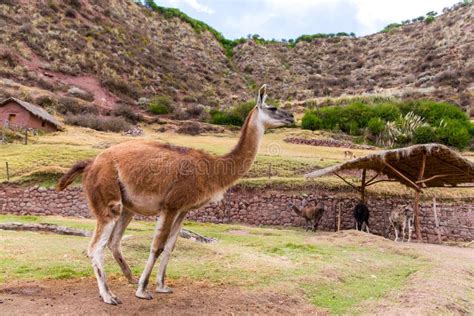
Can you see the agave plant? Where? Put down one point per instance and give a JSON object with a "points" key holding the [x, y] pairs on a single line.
{"points": [[389, 135]]}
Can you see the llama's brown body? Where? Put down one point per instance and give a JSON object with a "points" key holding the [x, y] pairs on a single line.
{"points": [[150, 178], [311, 213]]}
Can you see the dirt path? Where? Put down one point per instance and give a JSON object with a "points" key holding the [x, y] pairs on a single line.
{"points": [[81, 297], [448, 287]]}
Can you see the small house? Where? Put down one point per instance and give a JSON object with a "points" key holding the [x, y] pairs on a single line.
{"points": [[17, 114]]}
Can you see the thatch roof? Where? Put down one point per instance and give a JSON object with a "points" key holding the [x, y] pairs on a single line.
{"points": [[33, 109], [443, 167]]}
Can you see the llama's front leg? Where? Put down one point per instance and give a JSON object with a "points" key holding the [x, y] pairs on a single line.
{"points": [[162, 232], [367, 228], [396, 234], [96, 253], [357, 225], [403, 231], [169, 247]]}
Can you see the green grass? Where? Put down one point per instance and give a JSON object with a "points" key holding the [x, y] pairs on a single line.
{"points": [[334, 271]]}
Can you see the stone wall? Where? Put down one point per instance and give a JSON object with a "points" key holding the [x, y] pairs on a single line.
{"points": [[265, 207]]}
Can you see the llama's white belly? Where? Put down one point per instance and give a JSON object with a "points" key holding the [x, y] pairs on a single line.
{"points": [[217, 197]]}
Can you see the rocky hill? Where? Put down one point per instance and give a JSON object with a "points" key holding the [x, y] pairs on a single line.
{"points": [[118, 51]]}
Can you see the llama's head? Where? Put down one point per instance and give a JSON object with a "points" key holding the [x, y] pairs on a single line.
{"points": [[270, 116]]}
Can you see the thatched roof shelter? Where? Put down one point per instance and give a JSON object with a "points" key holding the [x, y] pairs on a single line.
{"points": [[418, 167], [443, 167]]}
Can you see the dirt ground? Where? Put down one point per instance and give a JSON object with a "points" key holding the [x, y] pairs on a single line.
{"points": [[81, 297]]}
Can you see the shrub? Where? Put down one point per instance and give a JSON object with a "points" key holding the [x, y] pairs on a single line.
{"points": [[429, 19], [454, 133], [99, 123], [161, 105], [376, 125], [121, 86], [311, 121], [386, 111], [72, 106], [424, 134], [225, 118], [126, 111], [243, 109]]}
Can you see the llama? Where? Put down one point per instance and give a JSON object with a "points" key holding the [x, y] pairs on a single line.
{"points": [[361, 215], [151, 178], [348, 154], [402, 218], [312, 214]]}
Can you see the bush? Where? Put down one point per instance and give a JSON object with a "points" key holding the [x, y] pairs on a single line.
{"points": [[121, 86], [454, 133], [72, 106], [311, 121], [429, 19], [224, 118], [233, 116], [126, 111], [424, 134], [376, 125], [99, 123], [161, 105]]}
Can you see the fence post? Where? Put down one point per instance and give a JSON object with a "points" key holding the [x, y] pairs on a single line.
{"points": [[8, 171], [436, 220], [26, 136]]}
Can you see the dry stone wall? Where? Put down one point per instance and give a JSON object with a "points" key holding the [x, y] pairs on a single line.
{"points": [[265, 207]]}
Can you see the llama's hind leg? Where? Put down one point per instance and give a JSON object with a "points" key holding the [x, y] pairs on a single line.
{"points": [[169, 247], [114, 244], [97, 246]]}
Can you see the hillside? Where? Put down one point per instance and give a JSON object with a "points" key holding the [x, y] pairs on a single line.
{"points": [[119, 51]]}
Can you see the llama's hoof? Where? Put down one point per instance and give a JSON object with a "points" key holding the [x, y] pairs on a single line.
{"points": [[111, 299], [143, 294], [164, 289]]}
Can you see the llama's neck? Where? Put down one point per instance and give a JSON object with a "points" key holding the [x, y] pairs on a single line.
{"points": [[234, 165]]}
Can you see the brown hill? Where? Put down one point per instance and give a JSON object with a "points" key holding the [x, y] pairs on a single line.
{"points": [[107, 52]]}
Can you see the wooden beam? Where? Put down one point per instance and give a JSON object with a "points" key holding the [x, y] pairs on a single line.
{"points": [[401, 175], [381, 180], [373, 178], [353, 186], [438, 176]]}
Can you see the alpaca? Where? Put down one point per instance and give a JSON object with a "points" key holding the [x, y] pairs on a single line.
{"points": [[361, 215], [402, 218], [151, 178], [312, 214]]}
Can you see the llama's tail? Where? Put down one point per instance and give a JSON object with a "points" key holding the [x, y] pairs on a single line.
{"points": [[72, 174]]}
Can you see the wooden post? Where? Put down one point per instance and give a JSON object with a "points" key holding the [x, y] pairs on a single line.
{"points": [[417, 200], [362, 186], [417, 215], [436, 220], [26, 136], [333, 206], [8, 171]]}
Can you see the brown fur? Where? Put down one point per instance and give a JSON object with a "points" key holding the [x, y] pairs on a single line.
{"points": [[150, 178], [311, 213]]}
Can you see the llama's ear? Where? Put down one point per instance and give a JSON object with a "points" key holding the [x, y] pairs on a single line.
{"points": [[262, 96]]}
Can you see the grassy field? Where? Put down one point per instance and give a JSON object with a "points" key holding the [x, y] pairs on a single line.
{"points": [[47, 156], [284, 260], [338, 272]]}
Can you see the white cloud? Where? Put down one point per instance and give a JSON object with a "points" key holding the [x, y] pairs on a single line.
{"points": [[372, 13], [196, 5]]}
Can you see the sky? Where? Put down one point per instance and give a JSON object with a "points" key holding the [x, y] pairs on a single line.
{"points": [[291, 18]]}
